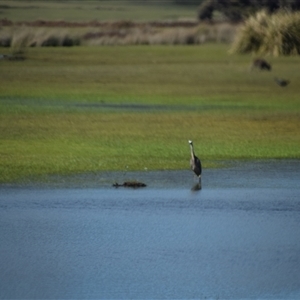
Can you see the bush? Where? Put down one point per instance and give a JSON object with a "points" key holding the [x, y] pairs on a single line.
{"points": [[51, 41], [263, 33], [60, 40], [5, 41], [206, 9], [238, 10]]}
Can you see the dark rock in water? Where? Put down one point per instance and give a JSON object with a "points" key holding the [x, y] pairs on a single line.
{"points": [[132, 184]]}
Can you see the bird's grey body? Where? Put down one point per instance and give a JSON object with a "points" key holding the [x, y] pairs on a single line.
{"points": [[195, 163]]}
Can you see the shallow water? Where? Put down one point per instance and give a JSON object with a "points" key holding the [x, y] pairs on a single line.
{"points": [[78, 237]]}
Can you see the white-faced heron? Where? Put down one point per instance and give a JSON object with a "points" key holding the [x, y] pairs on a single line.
{"points": [[195, 163]]}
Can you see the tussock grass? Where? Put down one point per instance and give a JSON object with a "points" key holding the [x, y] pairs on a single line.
{"points": [[24, 36], [53, 118], [276, 34], [113, 33], [53, 23], [169, 34]]}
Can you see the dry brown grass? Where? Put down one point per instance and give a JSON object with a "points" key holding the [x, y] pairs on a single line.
{"points": [[61, 33], [273, 34]]}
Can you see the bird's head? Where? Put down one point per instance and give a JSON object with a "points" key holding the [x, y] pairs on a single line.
{"points": [[190, 142]]}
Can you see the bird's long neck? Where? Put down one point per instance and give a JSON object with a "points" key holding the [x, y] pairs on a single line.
{"points": [[192, 151]]}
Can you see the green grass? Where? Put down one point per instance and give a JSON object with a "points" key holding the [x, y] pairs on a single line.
{"points": [[85, 10], [56, 113]]}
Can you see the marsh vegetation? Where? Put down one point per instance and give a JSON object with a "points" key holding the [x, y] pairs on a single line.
{"points": [[81, 109], [269, 34], [57, 33]]}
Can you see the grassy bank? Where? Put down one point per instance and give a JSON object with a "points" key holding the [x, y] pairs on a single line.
{"points": [[81, 109], [78, 10], [68, 23]]}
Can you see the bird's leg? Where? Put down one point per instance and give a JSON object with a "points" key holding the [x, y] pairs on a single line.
{"points": [[200, 182]]}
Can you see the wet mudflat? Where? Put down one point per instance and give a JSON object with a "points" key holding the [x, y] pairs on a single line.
{"points": [[78, 237]]}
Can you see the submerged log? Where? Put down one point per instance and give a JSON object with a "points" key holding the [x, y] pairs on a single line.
{"points": [[132, 184]]}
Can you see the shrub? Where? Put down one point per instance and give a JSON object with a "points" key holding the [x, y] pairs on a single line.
{"points": [[263, 33], [206, 9], [5, 41], [51, 41], [55, 40]]}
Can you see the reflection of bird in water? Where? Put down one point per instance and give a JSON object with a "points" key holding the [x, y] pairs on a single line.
{"points": [[195, 163], [282, 82]]}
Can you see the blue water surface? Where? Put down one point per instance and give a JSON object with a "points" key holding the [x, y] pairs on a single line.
{"points": [[238, 237]]}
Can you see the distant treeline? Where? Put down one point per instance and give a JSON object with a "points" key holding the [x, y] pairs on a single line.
{"points": [[188, 2], [156, 2], [239, 10], [243, 4]]}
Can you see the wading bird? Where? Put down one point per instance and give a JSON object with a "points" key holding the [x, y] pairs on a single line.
{"points": [[195, 163], [282, 82]]}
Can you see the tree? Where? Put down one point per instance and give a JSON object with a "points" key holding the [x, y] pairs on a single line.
{"points": [[206, 9], [188, 2], [236, 10]]}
